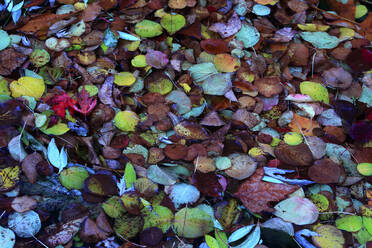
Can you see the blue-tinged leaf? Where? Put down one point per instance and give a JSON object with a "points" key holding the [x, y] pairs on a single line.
{"points": [[240, 233]]}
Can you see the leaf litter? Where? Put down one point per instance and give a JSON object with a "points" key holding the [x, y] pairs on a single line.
{"points": [[186, 123]]}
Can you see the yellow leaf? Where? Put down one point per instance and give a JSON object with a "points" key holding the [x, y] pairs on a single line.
{"points": [[28, 86], [313, 27], [9, 178], [346, 33], [124, 79]]}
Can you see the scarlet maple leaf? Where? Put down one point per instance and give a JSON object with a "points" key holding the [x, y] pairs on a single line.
{"points": [[62, 102], [85, 102], [255, 194]]}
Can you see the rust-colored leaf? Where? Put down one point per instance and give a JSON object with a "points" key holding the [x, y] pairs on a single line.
{"points": [[303, 125], [256, 194]]}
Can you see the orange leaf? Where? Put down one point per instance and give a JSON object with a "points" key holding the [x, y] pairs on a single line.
{"points": [[307, 125]]}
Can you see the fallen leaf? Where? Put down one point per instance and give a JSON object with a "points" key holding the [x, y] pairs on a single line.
{"points": [[256, 194]]}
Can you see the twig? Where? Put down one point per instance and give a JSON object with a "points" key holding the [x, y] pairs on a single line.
{"points": [[335, 15]]}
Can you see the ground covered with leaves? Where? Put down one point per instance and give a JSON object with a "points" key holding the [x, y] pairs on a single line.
{"points": [[184, 123]]}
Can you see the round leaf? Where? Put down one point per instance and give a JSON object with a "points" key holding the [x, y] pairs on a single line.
{"points": [[126, 120], [73, 177], [28, 86], [365, 169]]}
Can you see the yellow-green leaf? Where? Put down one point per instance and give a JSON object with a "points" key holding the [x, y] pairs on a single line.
{"points": [[129, 175], [365, 169], [58, 129], [28, 86], [126, 120], [172, 22], [315, 90], [124, 79], [148, 29]]}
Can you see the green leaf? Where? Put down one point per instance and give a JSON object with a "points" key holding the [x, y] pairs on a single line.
{"points": [[160, 217], [221, 238], [129, 175], [192, 223], [58, 129], [350, 223], [172, 22], [73, 177], [211, 242]]}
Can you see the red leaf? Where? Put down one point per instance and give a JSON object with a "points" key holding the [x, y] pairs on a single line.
{"points": [[86, 104], [256, 194], [61, 103]]}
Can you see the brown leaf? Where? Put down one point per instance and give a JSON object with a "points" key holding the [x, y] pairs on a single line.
{"points": [[212, 119], [23, 203], [29, 166], [326, 171], [299, 155], [175, 151], [190, 130], [248, 118], [345, 10], [214, 46], [268, 86], [338, 78], [10, 60], [256, 194], [41, 23], [91, 12], [91, 233]]}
